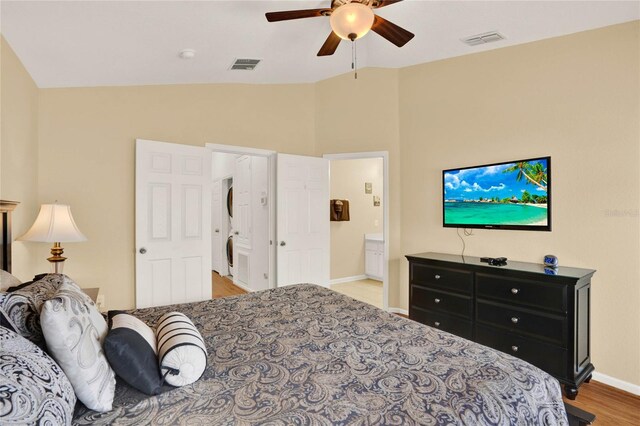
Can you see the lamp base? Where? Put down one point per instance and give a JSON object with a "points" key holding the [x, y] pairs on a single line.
{"points": [[57, 267], [56, 259]]}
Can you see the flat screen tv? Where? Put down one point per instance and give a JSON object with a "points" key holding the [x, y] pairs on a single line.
{"points": [[510, 195]]}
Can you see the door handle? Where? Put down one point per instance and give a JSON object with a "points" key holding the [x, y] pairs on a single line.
{"points": [[282, 243], [217, 230], [237, 233], [143, 250]]}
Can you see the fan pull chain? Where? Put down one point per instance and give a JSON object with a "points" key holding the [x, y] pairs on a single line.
{"points": [[354, 59]]}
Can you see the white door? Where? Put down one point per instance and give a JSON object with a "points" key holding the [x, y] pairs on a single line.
{"points": [[173, 223], [242, 202], [216, 223], [302, 220]]}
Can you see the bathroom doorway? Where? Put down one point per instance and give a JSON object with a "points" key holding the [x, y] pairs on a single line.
{"points": [[359, 226]]}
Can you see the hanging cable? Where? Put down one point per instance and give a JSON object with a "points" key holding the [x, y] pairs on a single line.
{"points": [[461, 239], [467, 233]]}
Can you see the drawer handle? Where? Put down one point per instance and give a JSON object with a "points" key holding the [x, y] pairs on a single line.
{"points": [[514, 348], [437, 277], [515, 320], [437, 323], [515, 290], [436, 300]]}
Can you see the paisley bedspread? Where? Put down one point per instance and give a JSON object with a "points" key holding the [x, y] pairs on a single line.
{"points": [[305, 355]]}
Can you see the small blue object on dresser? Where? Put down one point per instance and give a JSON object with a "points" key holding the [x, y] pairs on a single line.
{"points": [[551, 271], [550, 260]]}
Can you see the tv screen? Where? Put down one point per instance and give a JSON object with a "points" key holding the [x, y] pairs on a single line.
{"points": [[510, 195]]}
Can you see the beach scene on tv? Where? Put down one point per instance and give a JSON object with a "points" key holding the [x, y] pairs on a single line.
{"points": [[503, 194]]}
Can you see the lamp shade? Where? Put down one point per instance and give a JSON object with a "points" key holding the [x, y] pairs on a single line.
{"points": [[54, 224], [351, 19]]}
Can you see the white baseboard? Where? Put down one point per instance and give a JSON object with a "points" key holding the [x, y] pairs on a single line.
{"points": [[398, 311], [347, 279], [616, 383]]}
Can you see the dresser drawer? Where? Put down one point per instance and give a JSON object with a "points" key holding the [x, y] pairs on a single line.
{"points": [[443, 278], [450, 324], [522, 292], [440, 301], [549, 358], [552, 328]]}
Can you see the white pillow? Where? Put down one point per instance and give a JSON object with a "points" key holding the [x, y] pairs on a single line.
{"points": [[74, 331], [182, 354]]}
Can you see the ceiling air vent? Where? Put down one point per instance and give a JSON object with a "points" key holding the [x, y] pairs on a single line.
{"points": [[483, 38], [245, 64]]}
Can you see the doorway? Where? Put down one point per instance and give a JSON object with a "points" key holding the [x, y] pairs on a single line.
{"points": [[242, 213], [359, 236]]}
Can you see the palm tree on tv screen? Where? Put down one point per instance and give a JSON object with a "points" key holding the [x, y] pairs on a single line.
{"points": [[533, 173], [539, 173]]}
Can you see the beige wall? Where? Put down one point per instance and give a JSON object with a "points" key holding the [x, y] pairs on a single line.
{"points": [[362, 116], [347, 238], [575, 98], [19, 153], [87, 155]]}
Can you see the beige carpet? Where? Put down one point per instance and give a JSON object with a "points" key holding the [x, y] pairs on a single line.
{"points": [[368, 291]]}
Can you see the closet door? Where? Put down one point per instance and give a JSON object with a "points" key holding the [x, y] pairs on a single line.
{"points": [[302, 220], [242, 202], [217, 239]]}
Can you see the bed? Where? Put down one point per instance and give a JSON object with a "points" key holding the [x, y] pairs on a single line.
{"points": [[306, 355]]}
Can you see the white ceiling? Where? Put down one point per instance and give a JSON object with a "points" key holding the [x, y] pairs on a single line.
{"points": [[105, 43]]}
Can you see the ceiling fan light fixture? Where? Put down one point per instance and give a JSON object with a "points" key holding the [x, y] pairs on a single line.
{"points": [[352, 20]]}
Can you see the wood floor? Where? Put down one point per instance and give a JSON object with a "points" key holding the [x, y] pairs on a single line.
{"points": [[611, 406], [223, 286]]}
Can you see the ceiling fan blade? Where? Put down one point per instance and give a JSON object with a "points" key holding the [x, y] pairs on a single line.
{"points": [[330, 45], [377, 4], [395, 34], [295, 14]]}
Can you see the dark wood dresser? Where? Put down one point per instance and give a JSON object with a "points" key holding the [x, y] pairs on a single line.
{"points": [[522, 309]]}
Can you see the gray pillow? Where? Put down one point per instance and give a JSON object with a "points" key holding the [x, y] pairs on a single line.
{"points": [[21, 308], [7, 280], [33, 388]]}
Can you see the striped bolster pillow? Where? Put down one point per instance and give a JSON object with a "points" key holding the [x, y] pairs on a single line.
{"points": [[182, 354]]}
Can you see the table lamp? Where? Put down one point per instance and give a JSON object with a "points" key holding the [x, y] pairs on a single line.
{"points": [[54, 224]]}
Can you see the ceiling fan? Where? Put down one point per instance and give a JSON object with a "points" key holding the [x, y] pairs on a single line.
{"points": [[350, 20]]}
